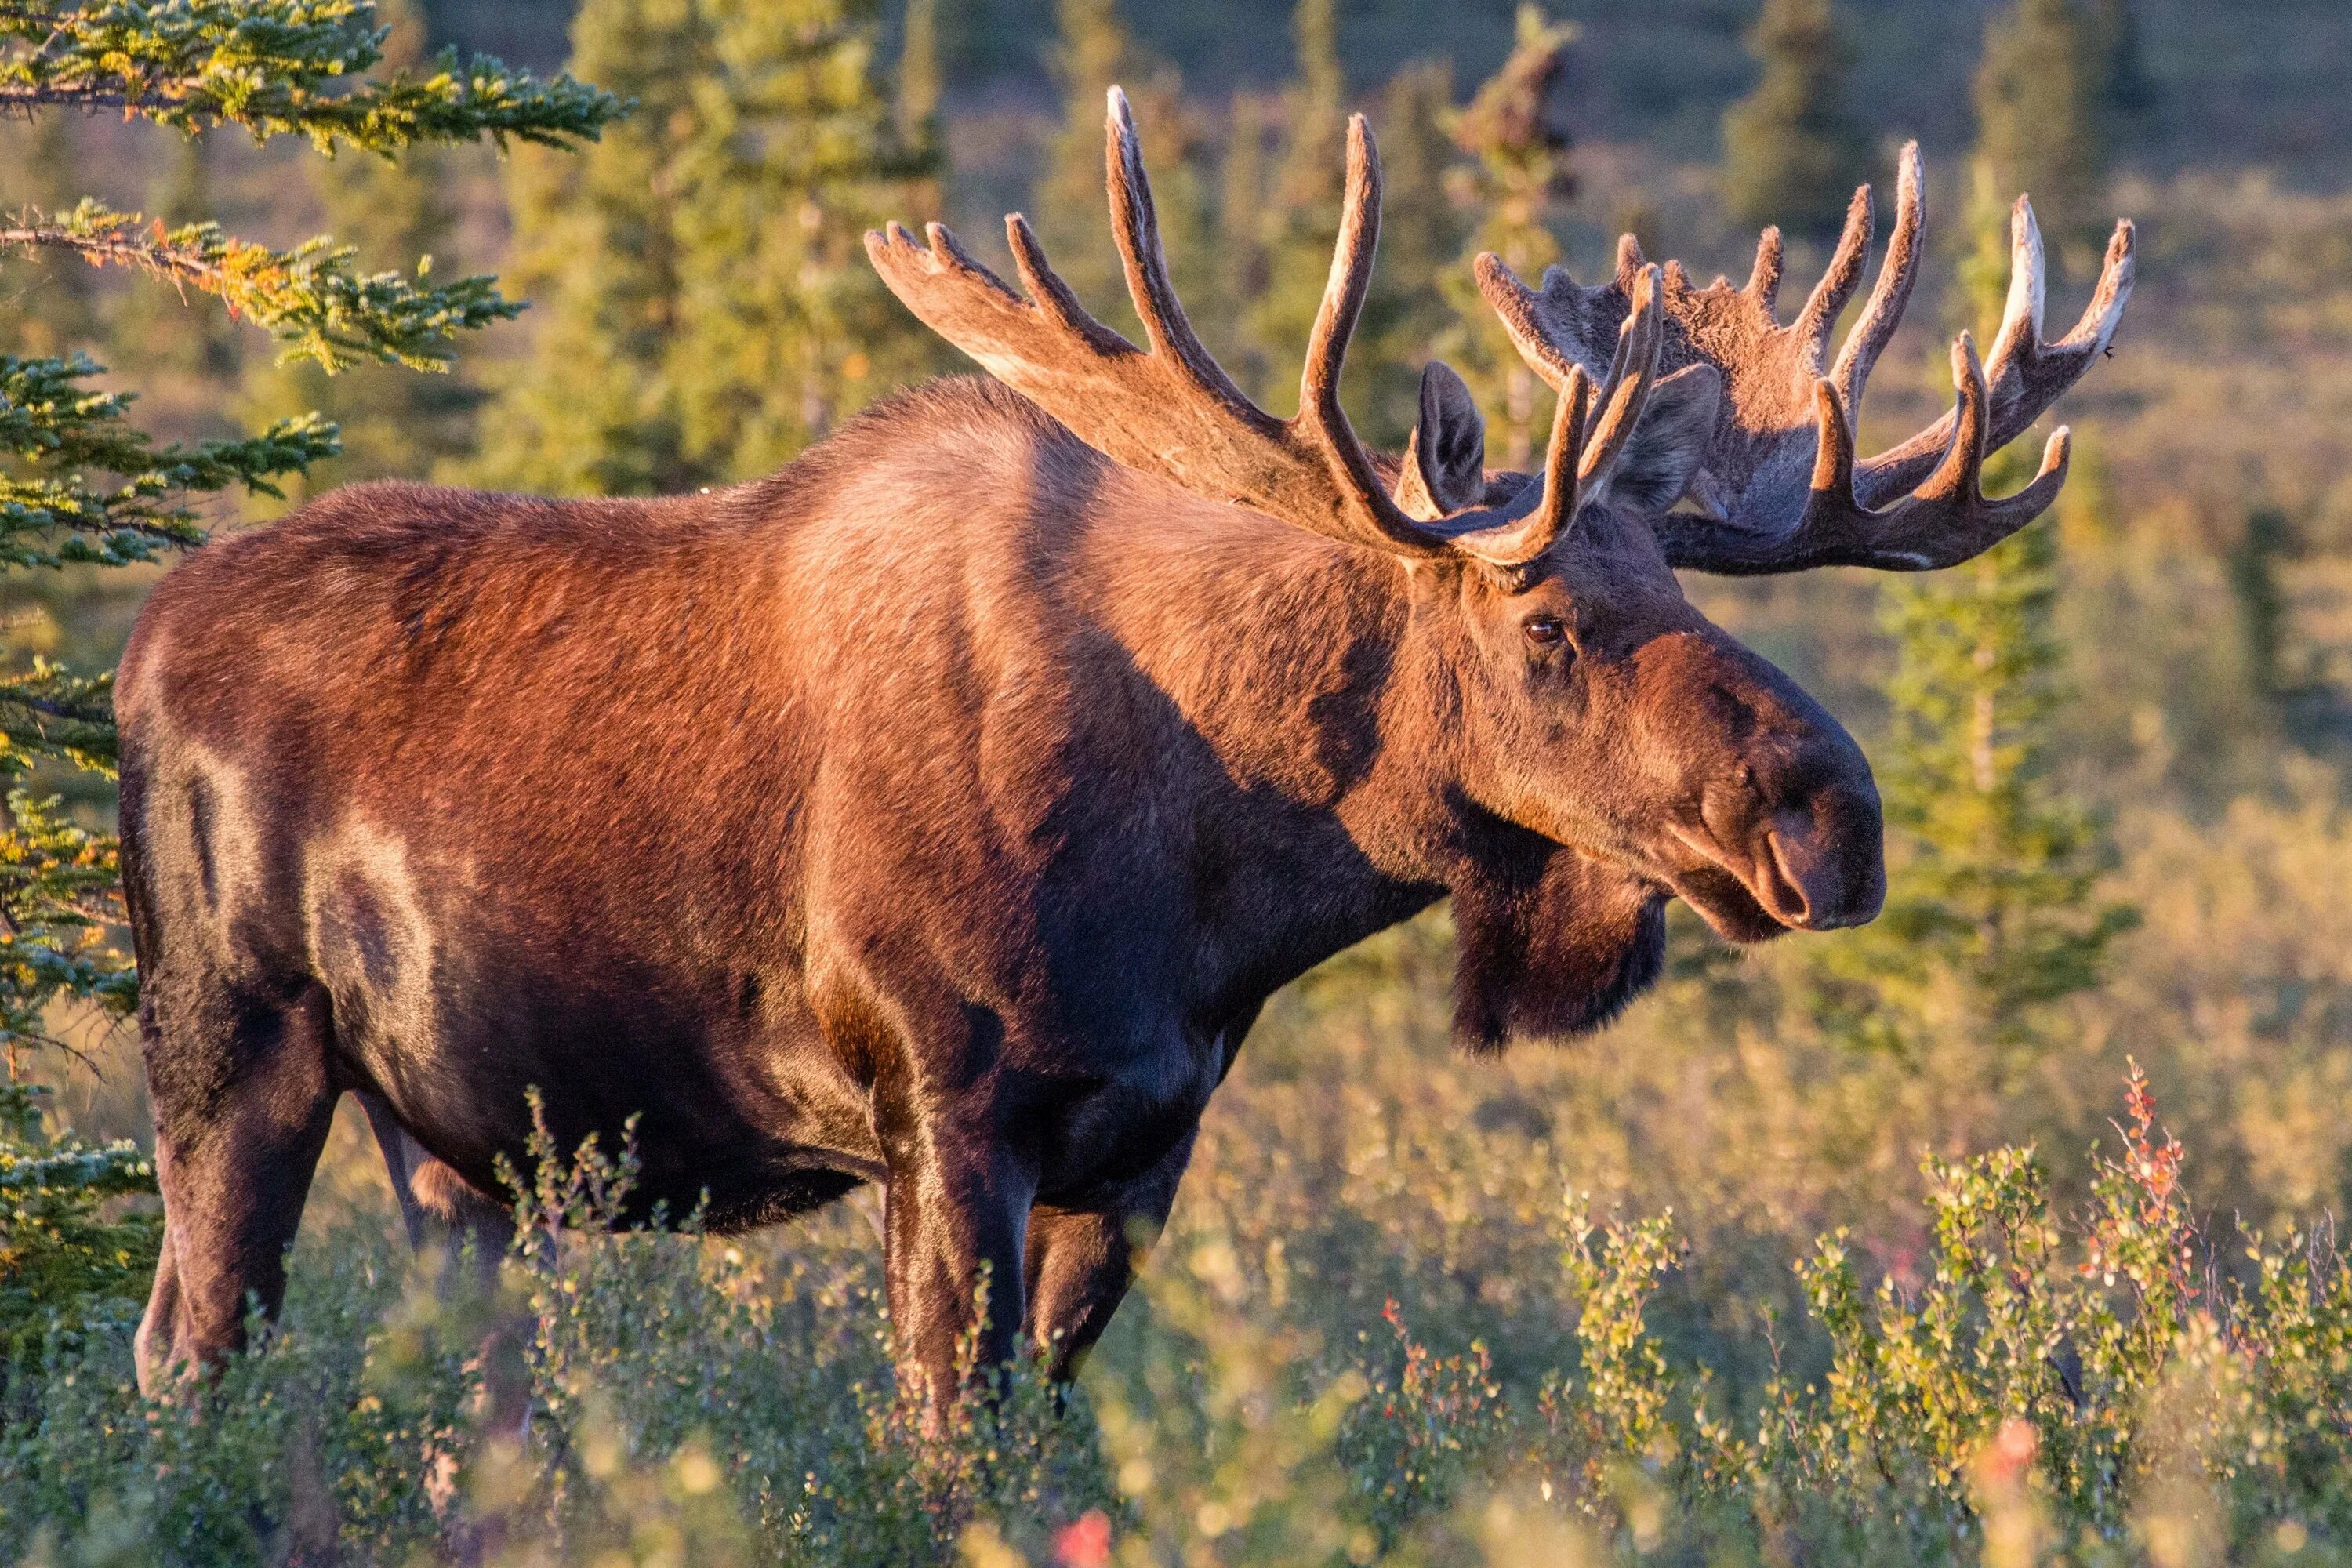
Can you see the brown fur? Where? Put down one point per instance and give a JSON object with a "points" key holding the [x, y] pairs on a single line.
{"points": [[938, 812]]}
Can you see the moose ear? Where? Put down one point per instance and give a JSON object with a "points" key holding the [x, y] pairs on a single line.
{"points": [[1663, 451], [1550, 944], [1445, 461]]}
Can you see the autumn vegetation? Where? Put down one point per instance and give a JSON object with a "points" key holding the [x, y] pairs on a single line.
{"points": [[1999, 1231]]}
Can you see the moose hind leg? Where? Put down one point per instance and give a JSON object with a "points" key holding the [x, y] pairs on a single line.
{"points": [[440, 1209], [243, 1101], [470, 1231], [154, 1348]]}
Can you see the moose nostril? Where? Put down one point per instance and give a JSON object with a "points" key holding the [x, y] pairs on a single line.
{"points": [[1792, 867], [1825, 861]]}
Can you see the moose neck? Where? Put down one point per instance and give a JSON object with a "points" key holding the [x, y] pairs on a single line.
{"points": [[1297, 664], [1322, 679]]}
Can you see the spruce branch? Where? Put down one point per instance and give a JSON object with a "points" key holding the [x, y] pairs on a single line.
{"points": [[59, 893], [277, 68], [52, 513], [47, 711], [81, 482], [311, 298]]}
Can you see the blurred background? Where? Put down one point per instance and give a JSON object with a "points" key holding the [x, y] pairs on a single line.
{"points": [[2115, 750]]}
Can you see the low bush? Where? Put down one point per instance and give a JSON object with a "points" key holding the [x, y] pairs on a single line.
{"points": [[2105, 1383]]}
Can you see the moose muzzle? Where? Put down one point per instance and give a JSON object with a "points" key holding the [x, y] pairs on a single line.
{"points": [[1780, 827]]}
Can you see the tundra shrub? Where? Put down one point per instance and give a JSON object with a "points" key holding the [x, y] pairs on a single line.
{"points": [[2095, 1383]]}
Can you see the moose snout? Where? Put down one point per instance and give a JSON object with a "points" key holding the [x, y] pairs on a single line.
{"points": [[1801, 827], [1769, 860], [1788, 832], [1818, 834]]}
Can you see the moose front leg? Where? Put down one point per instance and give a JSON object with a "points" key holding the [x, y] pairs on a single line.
{"points": [[1082, 1258], [955, 1218]]}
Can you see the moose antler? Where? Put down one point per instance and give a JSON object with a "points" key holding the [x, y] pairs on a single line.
{"points": [[1781, 488], [1173, 411]]}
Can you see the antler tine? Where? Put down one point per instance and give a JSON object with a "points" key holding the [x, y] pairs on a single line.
{"points": [[1948, 519], [1630, 262], [1882, 313], [1764, 277], [1055, 301], [1170, 410], [1841, 277], [2022, 365], [1833, 456], [2021, 308], [1634, 371], [2018, 353], [1972, 523], [1590, 425], [2026, 374], [1513, 544], [1959, 475], [1921, 504], [2105, 313], [1343, 304], [1519, 307], [1135, 225]]}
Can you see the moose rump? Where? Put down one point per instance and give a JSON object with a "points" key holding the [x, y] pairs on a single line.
{"points": [[357, 757]]}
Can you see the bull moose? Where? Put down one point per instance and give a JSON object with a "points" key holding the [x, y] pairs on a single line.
{"points": [[939, 811]]}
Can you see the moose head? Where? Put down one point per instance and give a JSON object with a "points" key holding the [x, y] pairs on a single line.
{"points": [[1573, 696]]}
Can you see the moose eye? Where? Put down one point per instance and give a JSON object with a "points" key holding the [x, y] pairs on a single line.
{"points": [[1545, 632]]}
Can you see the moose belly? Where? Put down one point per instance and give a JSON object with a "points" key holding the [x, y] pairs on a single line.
{"points": [[494, 1037], [493, 1042], [704, 1144]]}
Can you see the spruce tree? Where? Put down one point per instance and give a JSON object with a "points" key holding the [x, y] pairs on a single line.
{"points": [[1296, 217], [785, 328], [391, 423], [1992, 911], [179, 345], [1792, 152], [2129, 88], [1514, 131], [1244, 265], [922, 79], [709, 311], [1285, 176], [2042, 110], [50, 307], [1093, 53], [84, 485], [2252, 565], [591, 410], [1410, 312]]}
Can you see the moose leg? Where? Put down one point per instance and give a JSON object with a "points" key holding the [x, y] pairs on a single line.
{"points": [[243, 1101], [954, 1216], [470, 1231], [439, 1208], [154, 1348], [1082, 1258]]}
